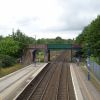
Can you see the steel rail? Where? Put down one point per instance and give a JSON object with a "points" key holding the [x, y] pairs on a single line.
{"points": [[62, 82], [52, 88], [59, 83], [31, 94], [46, 87]]}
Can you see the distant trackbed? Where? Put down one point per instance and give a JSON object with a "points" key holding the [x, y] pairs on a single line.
{"points": [[53, 82]]}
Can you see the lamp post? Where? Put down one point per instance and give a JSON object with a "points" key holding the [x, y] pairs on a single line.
{"points": [[35, 49], [88, 63]]}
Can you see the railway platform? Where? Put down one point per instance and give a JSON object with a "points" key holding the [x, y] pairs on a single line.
{"points": [[11, 85], [84, 89]]}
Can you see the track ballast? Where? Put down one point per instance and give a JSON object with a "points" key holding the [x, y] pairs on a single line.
{"points": [[53, 82]]}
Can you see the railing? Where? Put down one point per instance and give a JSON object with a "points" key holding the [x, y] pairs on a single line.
{"points": [[95, 69]]}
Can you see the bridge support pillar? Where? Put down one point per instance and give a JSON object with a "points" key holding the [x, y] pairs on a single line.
{"points": [[45, 55], [48, 55], [34, 55], [71, 54]]}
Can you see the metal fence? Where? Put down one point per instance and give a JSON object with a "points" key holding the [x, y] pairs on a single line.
{"points": [[95, 69]]}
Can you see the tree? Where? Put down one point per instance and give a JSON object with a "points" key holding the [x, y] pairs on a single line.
{"points": [[1, 37], [9, 47], [23, 41], [22, 38], [6, 61], [90, 37]]}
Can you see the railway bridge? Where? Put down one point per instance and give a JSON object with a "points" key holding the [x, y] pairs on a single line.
{"points": [[32, 49]]}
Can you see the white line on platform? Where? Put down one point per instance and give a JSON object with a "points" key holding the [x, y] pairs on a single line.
{"points": [[33, 76], [77, 90]]}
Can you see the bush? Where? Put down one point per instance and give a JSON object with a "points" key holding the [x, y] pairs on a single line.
{"points": [[6, 61]]}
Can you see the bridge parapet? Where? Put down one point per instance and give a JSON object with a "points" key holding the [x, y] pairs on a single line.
{"points": [[43, 46], [55, 46]]}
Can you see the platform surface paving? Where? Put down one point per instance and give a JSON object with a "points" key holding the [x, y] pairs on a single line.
{"points": [[86, 88], [12, 84]]}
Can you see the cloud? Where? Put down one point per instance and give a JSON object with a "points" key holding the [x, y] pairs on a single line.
{"points": [[78, 13], [52, 16]]}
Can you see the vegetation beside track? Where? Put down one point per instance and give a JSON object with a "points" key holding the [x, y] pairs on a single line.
{"points": [[40, 56], [14, 45], [8, 70], [90, 39], [93, 79]]}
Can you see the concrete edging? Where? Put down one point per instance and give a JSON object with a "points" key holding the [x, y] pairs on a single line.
{"points": [[34, 75], [77, 90]]}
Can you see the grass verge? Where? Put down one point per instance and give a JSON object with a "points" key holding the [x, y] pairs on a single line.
{"points": [[93, 79], [6, 71]]}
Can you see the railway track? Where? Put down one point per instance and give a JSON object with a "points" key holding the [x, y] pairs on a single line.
{"points": [[53, 83]]}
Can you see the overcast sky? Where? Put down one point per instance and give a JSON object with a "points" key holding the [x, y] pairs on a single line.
{"points": [[47, 18]]}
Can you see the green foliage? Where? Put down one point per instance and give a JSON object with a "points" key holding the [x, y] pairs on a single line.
{"points": [[23, 41], [14, 45], [90, 38], [6, 61], [22, 38], [1, 37], [9, 47], [57, 40]]}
